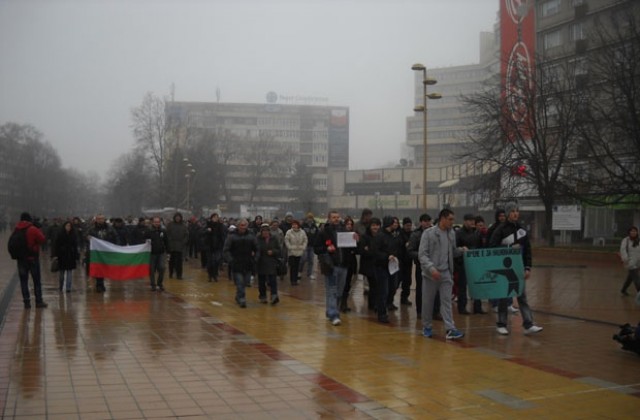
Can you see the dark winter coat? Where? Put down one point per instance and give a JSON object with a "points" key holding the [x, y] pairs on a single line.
{"points": [[178, 235], [158, 238], [214, 236], [240, 251], [66, 249], [509, 234], [267, 263]]}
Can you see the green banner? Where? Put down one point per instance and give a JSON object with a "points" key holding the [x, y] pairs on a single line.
{"points": [[494, 273]]}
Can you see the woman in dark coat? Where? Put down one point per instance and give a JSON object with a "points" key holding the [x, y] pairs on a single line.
{"points": [[269, 251], [66, 250]]}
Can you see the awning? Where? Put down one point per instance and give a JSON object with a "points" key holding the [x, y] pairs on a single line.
{"points": [[449, 183]]}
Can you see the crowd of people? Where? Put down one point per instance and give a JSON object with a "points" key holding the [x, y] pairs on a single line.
{"points": [[388, 254]]}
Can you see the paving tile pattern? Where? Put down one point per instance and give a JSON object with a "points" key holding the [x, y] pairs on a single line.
{"points": [[192, 353]]}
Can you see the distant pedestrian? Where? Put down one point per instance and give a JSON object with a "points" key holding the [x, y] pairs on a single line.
{"points": [[178, 235], [65, 249], [630, 255], [295, 241], [29, 262], [157, 235], [240, 251], [101, 230], [267, 260]]}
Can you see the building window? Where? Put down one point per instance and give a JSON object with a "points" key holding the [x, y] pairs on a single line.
{"points": [[552, 39], [576, 32], [580, 66], [550, 7]]}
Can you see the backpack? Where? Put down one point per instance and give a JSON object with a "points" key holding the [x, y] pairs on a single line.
{"points": [[18, 244]]}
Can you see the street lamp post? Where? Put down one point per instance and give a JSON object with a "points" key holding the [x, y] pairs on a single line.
{"points": [[423, 108], [190, 174]]}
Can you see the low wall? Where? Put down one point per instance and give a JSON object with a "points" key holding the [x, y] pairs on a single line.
{"points": [[573, 254]]}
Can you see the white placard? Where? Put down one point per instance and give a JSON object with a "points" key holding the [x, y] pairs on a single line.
{"points": [[347, 240]]}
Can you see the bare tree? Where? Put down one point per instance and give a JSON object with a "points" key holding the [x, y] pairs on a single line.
{"points": [[128, 185], [610, 166], [263, 158], [156, 134], [38, 180], [528, 132], [304, 192]]}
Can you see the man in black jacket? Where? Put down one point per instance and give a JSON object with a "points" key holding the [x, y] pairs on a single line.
{"points": [[214, 240], [159, 247], [466, 236], [512, 234], [240, 251]]}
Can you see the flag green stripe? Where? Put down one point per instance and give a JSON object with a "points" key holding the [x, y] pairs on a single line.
{"points": [[118, 258]]}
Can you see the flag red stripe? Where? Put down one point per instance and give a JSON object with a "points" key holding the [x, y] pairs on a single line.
{"points": [[121, 272]]}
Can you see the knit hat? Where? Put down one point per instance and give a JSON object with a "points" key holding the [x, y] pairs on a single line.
{"points": [[469, 216], [26, 217], [509, 207], [407, 221]]}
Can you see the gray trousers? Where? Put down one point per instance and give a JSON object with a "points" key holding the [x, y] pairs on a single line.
{"points": [[429, 289]]}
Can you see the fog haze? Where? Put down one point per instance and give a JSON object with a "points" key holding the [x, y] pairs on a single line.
{"points": [[74, 69]]}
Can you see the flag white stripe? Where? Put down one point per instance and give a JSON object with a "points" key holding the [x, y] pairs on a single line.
{"points": [[96, 244]]}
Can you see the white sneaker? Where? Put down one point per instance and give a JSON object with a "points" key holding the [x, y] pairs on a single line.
{"points": [[312, 277], [513, 309], [495, 309], [502, 330], [336, 321], [532, 330]]}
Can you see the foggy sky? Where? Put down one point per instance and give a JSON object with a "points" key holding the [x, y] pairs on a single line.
{"points": [[74, 69]]}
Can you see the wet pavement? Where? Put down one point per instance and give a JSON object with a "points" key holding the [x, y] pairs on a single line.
{"points": [[192, 353]]}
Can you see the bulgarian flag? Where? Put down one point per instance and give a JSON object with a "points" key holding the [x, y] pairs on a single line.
{"points": [[118, 262]]}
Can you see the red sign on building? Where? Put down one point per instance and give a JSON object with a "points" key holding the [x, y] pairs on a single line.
{"points": [[517, 49]]}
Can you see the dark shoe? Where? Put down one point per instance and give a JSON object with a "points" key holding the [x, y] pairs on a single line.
{"points": [[41, 305], [275, 300], [624, 293], [153, 289], [464, 312], [160, 288], [243, 304], [392, 307], [383, 319], [406, 302], [27, 305], [480, 312], [262, 299]]}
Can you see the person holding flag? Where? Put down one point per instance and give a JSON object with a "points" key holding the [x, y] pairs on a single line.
{"points": [[159, 246], [100, 230]]}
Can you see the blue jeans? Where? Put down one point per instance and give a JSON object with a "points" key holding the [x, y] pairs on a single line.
{"points": [[157, 266], [241, 280], [307, 257], [213, 264], [333, 290], [25, 267], [68, 276]]}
